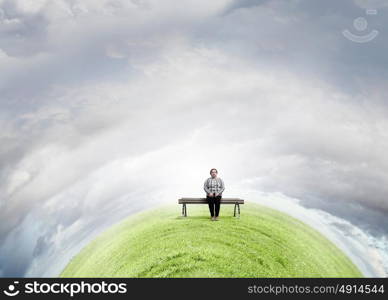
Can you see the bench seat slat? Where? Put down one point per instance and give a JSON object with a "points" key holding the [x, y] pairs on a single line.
{"points": [[204, 200]]}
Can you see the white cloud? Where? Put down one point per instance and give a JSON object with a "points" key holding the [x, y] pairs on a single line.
{"points": [[31, 6]]}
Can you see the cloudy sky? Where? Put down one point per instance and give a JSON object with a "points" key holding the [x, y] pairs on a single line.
{"points": [[114, 106]]}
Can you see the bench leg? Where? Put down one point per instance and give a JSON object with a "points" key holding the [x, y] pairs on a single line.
{"points": [[238, 205], [234, 209], [185, 209]]}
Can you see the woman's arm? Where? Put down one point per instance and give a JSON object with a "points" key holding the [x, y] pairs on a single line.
{"points": [[222, 187], [205, 187]]}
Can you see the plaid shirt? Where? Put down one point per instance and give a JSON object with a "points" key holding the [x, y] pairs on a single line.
{"points": [[214, 185]]}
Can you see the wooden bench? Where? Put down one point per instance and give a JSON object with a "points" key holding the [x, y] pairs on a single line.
{"points": [[235, 201]]}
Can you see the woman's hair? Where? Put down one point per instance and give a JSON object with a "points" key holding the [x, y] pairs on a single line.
{"points": [[212, 170]]}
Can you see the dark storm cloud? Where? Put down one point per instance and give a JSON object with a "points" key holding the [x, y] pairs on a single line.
{"points": [[307, 36], [242, 4], [22, 34]]}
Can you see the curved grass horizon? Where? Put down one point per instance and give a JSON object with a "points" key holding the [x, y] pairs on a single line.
{"points": [[160, 243]]}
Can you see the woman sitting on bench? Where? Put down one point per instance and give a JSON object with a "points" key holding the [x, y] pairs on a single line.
{"points": [[214, 186]]}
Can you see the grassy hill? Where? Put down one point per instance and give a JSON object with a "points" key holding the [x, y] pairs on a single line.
{"points": [[161, 243]]}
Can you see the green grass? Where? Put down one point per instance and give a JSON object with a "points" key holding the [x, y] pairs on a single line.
{"points": [[161, 243]]}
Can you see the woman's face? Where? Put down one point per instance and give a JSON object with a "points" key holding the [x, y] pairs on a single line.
{"points": [[213, 173]]}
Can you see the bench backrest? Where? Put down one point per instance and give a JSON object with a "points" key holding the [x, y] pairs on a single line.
{"points": [[204, 200]]}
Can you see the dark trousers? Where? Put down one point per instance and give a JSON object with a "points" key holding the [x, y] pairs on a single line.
{"points": [[214, 204]]}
